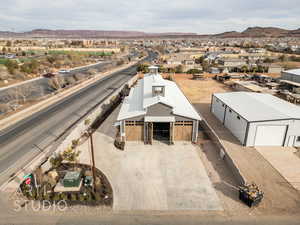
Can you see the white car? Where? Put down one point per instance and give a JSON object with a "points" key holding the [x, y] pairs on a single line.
{"points": [[64, 71]]}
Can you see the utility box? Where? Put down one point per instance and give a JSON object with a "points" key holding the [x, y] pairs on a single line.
{"points": [[71, 179]]}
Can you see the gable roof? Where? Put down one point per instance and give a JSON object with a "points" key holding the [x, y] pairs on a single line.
{"points": [[140, 98], [293, 71], [259, 107]]}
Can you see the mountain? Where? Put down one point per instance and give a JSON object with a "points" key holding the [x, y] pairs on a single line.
{"points": [[250, 32], [45, 33], [257, 32]]}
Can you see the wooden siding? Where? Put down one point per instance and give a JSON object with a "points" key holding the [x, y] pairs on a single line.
{"points": [[183, 131], [134, 130]]}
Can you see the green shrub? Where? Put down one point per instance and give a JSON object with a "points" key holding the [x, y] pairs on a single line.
{"points": [[73, 197]]}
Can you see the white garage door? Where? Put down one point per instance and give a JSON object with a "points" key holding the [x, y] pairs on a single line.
{"points": [[270, 135]]}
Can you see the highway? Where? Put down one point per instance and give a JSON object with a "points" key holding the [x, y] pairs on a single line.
{"points": [[26, 138]]}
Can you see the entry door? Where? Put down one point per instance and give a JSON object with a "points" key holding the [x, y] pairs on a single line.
{"points": [[270, 135], [291, 141]]}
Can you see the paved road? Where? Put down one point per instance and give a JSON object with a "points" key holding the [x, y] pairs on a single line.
{"points": [[40, 86], [39, 130]]}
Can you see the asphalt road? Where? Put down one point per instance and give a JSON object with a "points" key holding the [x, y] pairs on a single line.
{"points": [[40, 86], [25, 138]]}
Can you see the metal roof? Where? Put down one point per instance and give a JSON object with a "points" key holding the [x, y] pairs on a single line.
{"points": [[140, 98], [294, 72], [259, 107]]}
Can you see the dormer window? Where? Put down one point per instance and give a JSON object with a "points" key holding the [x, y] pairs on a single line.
{"points": [[158, 91]]}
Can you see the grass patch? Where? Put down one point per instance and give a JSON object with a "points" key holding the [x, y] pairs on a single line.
{"points": [[3, 61]]}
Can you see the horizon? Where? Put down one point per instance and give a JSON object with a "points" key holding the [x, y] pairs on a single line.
{"points": [[201, 17], [141, 31]]}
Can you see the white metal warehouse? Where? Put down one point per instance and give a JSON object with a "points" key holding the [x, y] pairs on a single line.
{"points": [[257, 119], [157, 109], [291, 75]]}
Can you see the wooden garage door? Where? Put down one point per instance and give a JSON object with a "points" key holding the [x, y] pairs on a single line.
{"points": [[183, 131], [134, 130]]}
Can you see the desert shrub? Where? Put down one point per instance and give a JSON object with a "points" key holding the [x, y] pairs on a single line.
{"points": [[4, 108], [56, 160], [73, 197], [70, 154], [30, 67], [81, 197], [97, 197], [70, 80], [11, 66], [56, 197], [78, 76]]}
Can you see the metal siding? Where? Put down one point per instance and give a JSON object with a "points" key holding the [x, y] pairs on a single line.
{"points": [[236, 126], [217, 109], [293, 130]]}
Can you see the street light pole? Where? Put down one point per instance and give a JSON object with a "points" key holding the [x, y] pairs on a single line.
{"points": [[93, 160]]}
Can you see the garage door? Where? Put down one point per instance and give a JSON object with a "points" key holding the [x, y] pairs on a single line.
{"points": [[270, 135]]}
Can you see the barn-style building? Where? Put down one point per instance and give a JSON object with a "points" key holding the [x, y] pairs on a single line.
{"points": [[156, 109]]}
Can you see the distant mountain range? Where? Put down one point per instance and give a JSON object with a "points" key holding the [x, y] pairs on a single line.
{"points": [[254, 32], [260, 32]]}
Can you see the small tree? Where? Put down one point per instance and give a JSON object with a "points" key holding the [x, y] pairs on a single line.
{"points": [[179, 69], [56, 160], [11, 66], [70, 155]]}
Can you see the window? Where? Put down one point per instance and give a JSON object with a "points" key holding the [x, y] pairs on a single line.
{"points": [[223, 105], [158, 90], [298, 139], [238, 117], [230, 110]]}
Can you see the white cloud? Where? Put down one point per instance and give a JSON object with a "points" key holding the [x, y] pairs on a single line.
{"points": [[201, 16]]}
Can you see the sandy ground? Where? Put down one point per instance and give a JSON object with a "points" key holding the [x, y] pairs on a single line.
{"points": [[280, 196]]}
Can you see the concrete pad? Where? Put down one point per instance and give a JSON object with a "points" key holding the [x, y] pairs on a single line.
{"points": [[157, 177], [285, 161]]}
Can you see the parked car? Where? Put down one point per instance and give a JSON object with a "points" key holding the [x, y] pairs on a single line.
{"points": [[64, 71]]}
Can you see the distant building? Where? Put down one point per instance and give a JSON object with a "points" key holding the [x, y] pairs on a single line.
{"points": [[230, 63]]}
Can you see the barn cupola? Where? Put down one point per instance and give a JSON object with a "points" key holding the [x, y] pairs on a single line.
{"points": [[158, 84], [153, 70]]}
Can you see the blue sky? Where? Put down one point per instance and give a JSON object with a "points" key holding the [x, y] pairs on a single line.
{"points": [[200, 16]]}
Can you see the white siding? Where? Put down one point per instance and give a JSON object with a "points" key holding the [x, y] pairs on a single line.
{"points": [[236, 124], [293, 131], [291, 77], [218, 108], [270, 135]]}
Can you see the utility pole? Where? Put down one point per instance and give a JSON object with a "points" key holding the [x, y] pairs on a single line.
{"points": [[93, 159]]}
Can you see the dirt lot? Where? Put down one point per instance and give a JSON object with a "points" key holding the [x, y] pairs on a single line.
{"points": [[280, 196], [199, 91]]}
